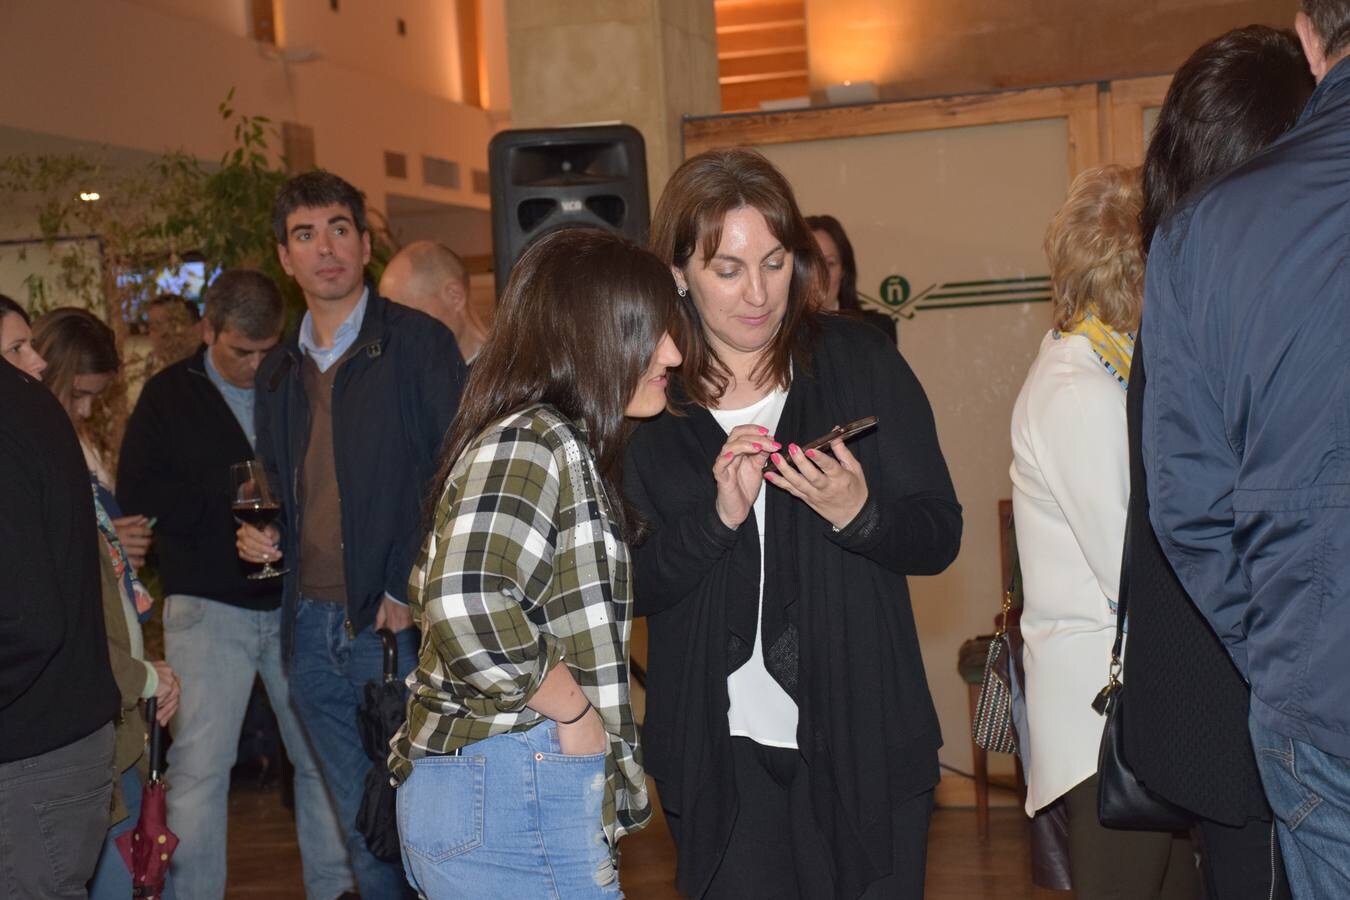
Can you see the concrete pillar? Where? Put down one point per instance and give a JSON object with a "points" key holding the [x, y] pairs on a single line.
{"points": [[645, 63]]}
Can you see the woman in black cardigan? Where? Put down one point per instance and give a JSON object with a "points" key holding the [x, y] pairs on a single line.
{"points": [[1187, 717], [789, 725]]}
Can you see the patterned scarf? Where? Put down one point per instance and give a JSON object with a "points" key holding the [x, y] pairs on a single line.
{"points": [[130, 585], [1112, 348]]}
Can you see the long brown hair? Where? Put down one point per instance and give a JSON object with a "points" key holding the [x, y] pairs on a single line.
{"points": [[73, 342], [576, 328], [689, 219]]}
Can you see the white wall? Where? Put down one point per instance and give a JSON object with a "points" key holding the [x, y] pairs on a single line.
{"points": [[361, 35], [134, 75], [964, 204], [231, 16]]}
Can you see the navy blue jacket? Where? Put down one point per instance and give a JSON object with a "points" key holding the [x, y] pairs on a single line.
{"points": [[1246, 426], [394, 396]]}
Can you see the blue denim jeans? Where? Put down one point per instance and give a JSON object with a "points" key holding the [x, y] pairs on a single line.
{"points": [[217, 649], [510, 817], [1309, 792], [328, 672]]}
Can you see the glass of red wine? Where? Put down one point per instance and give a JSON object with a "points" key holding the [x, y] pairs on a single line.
{"points": [[255, 504]]}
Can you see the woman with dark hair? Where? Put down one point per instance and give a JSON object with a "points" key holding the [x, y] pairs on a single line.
{"points": [[1186, 721], [16, 339], [523, 591], [841, 291], [789, 724], [82, 361]]}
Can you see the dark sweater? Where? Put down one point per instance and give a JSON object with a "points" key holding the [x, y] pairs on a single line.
{"points": [[838, 629], [56, 685], [175, 463], [395, 393], [1186, 721]]}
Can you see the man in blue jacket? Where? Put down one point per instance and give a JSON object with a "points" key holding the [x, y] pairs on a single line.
{"points": [[1247, 444], [350, 415]]}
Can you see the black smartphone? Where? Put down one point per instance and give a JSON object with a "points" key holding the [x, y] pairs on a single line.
{"points": [[841, 433]]}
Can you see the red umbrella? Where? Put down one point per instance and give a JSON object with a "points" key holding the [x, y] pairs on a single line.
{"points": [[147, 847]]}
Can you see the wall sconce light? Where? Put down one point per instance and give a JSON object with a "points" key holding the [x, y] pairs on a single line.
{"points": [[852, 92]]}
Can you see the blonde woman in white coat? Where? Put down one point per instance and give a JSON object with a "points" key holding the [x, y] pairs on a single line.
{"points": [[1071, 488]]}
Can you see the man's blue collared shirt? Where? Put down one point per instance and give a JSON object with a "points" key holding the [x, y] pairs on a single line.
{"points": [[324, 357], [240, 400]]}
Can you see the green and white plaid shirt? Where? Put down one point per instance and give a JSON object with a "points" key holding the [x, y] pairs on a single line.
{"points": [[523, 570]]}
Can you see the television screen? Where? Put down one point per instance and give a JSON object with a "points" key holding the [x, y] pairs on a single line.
{"points": [[188, 279]]}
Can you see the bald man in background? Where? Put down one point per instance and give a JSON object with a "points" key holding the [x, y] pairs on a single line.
{"points": [[428, 276]]}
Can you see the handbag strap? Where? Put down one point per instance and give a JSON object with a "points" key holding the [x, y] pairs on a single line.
{"points": [[1008, 589], [1122, 599]]}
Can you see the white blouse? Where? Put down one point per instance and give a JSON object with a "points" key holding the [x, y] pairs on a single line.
{"points": [[1071, 487], [758, 707]]}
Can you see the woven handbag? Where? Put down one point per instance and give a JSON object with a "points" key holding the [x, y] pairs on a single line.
{"points": [[992, 725]]}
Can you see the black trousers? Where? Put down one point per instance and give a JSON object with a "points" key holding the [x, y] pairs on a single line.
{"points": [[1112, 864], [1242, 863], [776, 851]]}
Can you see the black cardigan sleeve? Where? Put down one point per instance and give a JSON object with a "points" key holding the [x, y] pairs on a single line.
{"points": [[911, 522], [146, 480], [676, 555]]}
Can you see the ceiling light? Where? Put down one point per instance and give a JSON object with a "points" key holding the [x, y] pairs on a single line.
{"points": [[88, 196]]}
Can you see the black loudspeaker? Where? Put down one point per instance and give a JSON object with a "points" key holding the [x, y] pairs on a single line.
{"points": [[546, 179]]}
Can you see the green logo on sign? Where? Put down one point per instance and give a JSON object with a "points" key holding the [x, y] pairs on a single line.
{"points": [[895, 291], [897, 299]]}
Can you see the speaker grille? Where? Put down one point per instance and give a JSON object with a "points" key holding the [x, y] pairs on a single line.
{"points": [[545, 179]]}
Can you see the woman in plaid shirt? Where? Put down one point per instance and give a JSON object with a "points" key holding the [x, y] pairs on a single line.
{"points": [[518, 765]]}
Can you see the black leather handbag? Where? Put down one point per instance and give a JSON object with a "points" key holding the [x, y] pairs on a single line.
{"points": [[1122, 800]]}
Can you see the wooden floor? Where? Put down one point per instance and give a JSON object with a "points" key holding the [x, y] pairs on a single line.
{"points": [[265, 863]]}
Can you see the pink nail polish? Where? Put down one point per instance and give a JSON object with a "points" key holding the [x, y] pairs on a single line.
{"points": [[810, 454], [777, 446], [778, 459], [757, 446], [793, 448], [764, 431], [729, 454], [769, 476]]}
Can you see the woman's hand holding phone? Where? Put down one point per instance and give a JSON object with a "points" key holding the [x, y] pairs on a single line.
{"points": [[832, 485], [738, 471]]}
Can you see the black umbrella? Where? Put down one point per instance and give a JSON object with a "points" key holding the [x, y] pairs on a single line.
{"points": [[379, 716]]}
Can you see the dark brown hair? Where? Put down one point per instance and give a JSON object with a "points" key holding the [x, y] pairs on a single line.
{"points": [[314, 189], [1231, 98], [187, 306], [689, 219], [576, 328], [9, 306], [848, 275]]}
